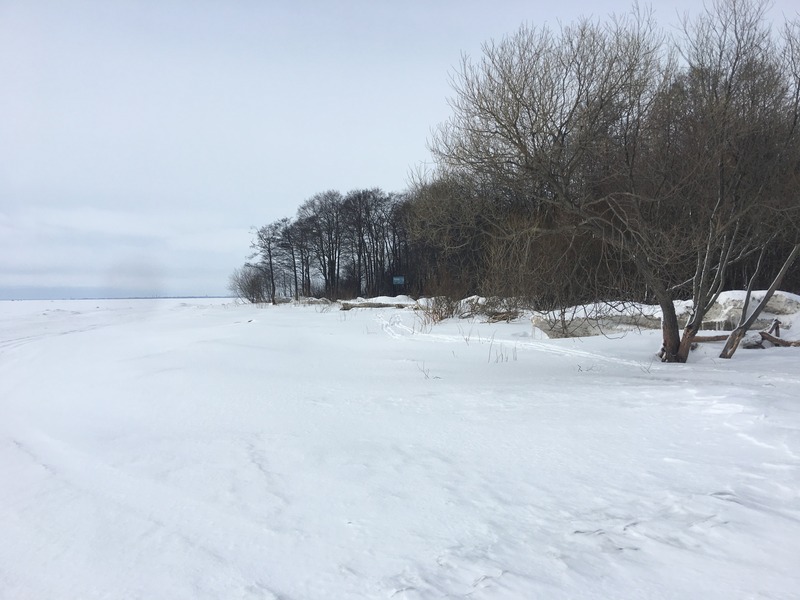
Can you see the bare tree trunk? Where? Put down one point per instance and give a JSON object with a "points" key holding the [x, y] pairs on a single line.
{"points": [[768, 337], [745, 322], [736, 336], [687, 339], [669, 331]]}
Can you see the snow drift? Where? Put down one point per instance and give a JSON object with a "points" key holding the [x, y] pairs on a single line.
{"points": [[201, 449]]}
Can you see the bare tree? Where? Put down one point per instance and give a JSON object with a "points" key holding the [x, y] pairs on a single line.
{"points": [[603, 132], [367, 215], [741, 124], [266, 248], [446, 221], [322, 219], [249, 284]]}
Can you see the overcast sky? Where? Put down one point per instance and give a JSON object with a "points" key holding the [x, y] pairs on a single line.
{"points": [[141, 139]]}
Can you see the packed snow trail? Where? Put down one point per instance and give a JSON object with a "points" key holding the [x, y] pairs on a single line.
{"points": [[200, 449]]}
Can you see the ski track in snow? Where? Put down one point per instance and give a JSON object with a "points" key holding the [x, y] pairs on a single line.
{"points": [[199, 449]]}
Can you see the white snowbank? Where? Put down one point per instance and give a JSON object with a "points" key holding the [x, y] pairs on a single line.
{"points": [[401, 299], [726, 312]]}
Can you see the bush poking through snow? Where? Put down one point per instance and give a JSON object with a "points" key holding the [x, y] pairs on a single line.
{"points": [[437, 309]]}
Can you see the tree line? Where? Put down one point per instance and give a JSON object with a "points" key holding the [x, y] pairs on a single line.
{"points": [[336, 246], [599, 161]]}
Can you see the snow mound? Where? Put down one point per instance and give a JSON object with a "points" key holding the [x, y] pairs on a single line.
{"points": [[781, 303], [727, 311]]}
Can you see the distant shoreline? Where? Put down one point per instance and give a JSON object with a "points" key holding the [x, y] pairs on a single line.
{"points": [[117, 298]]}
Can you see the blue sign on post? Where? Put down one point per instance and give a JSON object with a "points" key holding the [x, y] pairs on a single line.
{"points": [[398, 280]]}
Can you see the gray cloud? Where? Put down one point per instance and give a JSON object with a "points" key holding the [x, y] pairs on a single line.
{"points": [[141, 140]]}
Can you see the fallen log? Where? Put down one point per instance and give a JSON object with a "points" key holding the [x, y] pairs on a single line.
{"points": [[497, 317], [710, 338], [768, 337], [352, 305]]}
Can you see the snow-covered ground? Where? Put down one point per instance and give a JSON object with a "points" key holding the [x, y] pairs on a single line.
{"points": [[190, 449]]}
